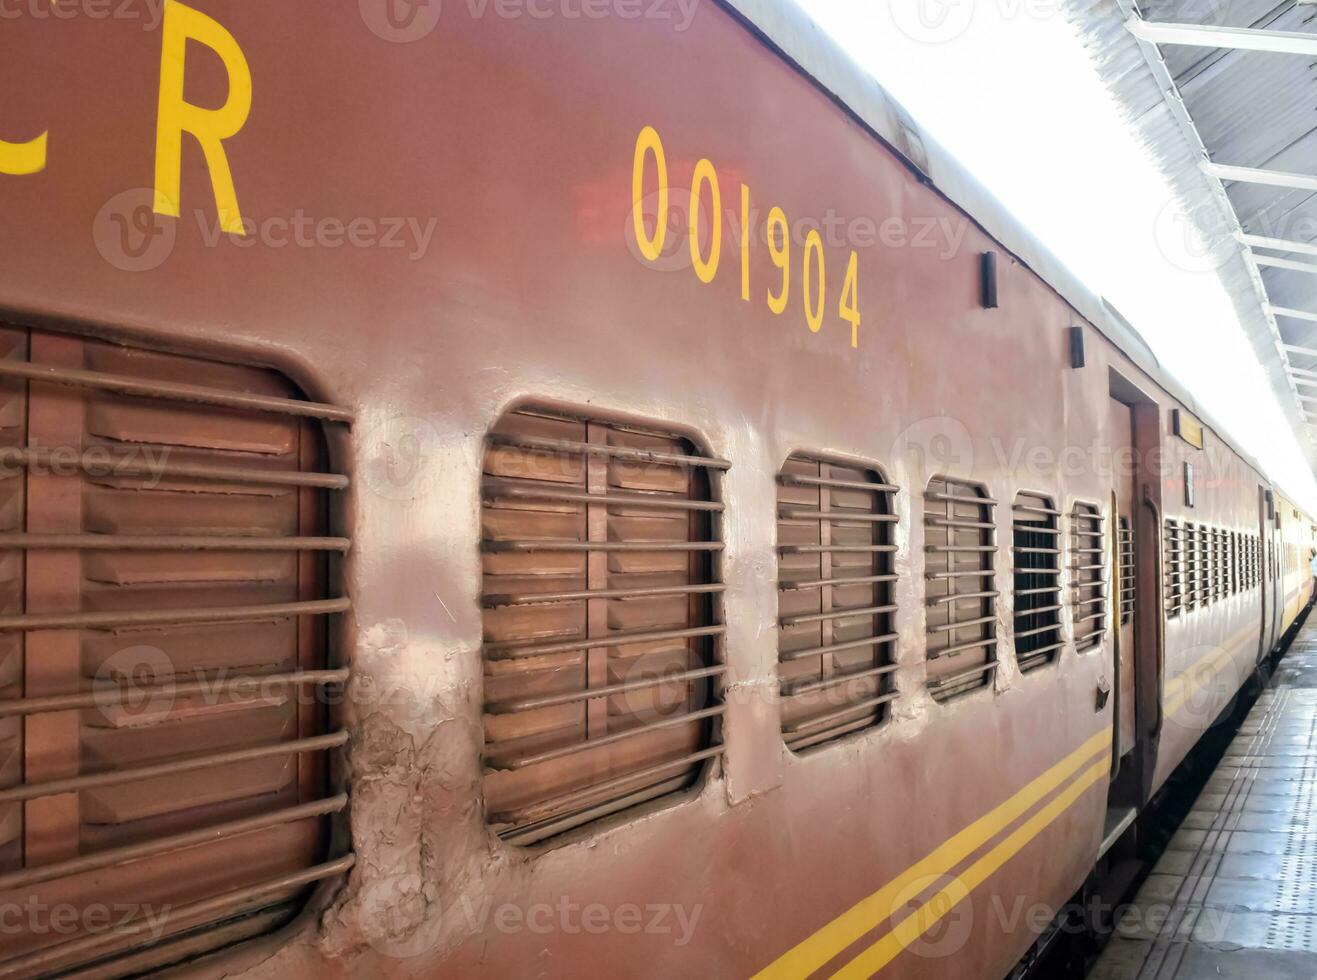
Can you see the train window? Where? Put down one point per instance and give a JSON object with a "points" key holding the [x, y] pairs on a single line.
{"points": [[169, 592], [835, 598], [603, 619], [1219, 565], [960, 567], [1125, 541], [1089, 581], [1204, 565], [1173, 571], [1191, 567], [1036, 573]]}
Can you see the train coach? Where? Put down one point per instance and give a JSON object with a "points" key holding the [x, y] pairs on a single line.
{"points": [[488, 493]]}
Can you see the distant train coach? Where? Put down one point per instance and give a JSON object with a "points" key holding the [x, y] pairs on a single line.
{"points": [[492, 490]]}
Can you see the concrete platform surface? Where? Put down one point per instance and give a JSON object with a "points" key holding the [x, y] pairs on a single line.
{"points": [[1235, 895]]}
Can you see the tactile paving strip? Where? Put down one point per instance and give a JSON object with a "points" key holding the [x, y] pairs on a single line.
{"points": [[1235, 894]]}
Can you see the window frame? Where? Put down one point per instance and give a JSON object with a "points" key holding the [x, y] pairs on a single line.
{"points": [[981, 527], [712, 504], [1033, 562], [1082, 543], [884, 518]]}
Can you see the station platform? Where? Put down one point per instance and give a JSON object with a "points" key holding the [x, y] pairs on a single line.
{"points": [[1235, 893]]}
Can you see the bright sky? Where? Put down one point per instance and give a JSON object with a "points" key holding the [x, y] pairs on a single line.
{"points": [[1006, 86]]}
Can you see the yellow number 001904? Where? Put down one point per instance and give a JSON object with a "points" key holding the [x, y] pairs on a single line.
{"points": [[777, 235]]}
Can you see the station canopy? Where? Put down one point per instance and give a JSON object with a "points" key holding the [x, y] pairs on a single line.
{"points": [[1222, 92]]}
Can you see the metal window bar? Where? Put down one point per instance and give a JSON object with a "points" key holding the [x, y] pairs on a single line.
{"points": [[1173, 568], [836, 636], [603, 619], [1036, 626], [1088, 579], [1191, 567], [292, 474], [1125, 541], [961, 597]]}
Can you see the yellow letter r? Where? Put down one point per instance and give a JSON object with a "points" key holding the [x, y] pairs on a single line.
{"points": [[210, 126]]}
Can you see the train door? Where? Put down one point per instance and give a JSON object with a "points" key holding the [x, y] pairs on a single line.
{"points": [[1267, 570], [1121, 528]]}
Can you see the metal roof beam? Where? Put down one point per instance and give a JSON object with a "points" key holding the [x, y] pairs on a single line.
{"points": [[1290, 348], [1236, 38], [1293, 314], [1279, 244], [1290, 264], [1252, 175]]}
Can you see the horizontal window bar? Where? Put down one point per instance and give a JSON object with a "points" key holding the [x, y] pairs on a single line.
{"points": [[1040, 651], [854, 549], [820, 481], [32, 963], [960, 498], [1054, 590], [119, 463], [1036, 551], [555, 805], [987, 641], [944, 599], [837, 516], [110, 695], [791, 656], [28, 877], [952, 627], [934, 520], [157, 617], [1035, 509], [963, 573], [951, 680], [835, 614], [569, 447], [497, 490], [541, 598], [799, 743], [1036, 657], [1088, 637], [1035, 571], [516, 652], [832, 716], [33, 791], [1034, 612], [641, 547], [818, 583], [520, 762], [589, 694], [952, 549], [168, 542], [1051, 532], [172, 390], [836, 680], [1023, 634]]}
